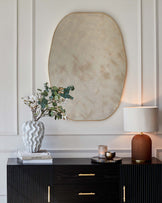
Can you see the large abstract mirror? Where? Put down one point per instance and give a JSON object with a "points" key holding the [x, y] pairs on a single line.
{"points": [[87, 51]]}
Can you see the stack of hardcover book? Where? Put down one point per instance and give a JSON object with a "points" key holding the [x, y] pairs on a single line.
{"points": [[41, 157]]}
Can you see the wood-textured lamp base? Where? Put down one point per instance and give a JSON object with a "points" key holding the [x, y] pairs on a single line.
{"points": [[141, 148]]}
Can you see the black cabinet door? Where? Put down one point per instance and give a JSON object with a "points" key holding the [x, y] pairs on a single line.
{"points": [[28, 184], [141, 183]]}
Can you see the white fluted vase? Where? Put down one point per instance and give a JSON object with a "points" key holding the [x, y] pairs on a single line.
{"points": [[33, 134]]}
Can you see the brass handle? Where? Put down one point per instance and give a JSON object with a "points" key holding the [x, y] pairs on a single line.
{"points": [[88, 174], [124, 193], [86, 193], [49, 195]]}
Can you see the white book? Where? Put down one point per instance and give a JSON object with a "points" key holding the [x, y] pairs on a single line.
{"points": [[36, 161], [42, 155]]}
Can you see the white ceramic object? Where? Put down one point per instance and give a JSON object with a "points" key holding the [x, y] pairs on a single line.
{"points": [[33, 133]]}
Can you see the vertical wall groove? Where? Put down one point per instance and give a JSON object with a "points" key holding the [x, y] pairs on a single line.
{"points": [[17, 67], [156, 52], [33, 46], [140, 55]]}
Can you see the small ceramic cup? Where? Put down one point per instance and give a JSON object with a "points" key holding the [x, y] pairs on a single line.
{"points": [[109, 155]]}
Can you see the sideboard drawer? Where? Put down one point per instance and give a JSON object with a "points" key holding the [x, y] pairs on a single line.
{"points": [[85, 193], [85, 174]]}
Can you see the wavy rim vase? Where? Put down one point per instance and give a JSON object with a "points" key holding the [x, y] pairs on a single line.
{"points": [[33, 134]]}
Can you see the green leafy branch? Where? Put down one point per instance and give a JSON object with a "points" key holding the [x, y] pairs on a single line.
{"points": [[47, 102]]}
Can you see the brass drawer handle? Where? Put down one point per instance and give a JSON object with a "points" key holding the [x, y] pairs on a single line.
{"points": [[88, 174], [49, 195], [124, 193], [86, 193]]}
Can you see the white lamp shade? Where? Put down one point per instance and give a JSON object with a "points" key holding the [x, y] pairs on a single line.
{"points": [[141, 119]]}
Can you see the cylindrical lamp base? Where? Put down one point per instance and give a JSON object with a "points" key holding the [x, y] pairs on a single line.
{"points": [[141, 148]]}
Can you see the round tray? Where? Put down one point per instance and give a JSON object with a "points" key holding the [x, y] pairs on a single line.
{"points": [[99, 160]]}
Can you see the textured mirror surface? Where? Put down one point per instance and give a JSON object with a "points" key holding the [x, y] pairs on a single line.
{"points": [[87, 51]]}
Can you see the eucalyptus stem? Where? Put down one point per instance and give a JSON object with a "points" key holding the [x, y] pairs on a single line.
{"points": [[48, 102], [33, 114], [41, 115]]}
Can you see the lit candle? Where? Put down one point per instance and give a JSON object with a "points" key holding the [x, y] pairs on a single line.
{"points": [[102, 149]]}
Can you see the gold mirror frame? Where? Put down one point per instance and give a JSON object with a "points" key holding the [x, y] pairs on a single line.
{"points": [[64, 57]]}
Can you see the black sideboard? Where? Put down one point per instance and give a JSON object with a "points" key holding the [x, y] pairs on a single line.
{"points": [[77, 180]]}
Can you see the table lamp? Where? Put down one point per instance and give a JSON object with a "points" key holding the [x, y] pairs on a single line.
{"points": [[141, 119]]}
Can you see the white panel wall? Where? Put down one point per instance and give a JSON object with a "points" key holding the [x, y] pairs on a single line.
{"points": [[159, 24], [8, 64], [26, 29], [44, 28]]}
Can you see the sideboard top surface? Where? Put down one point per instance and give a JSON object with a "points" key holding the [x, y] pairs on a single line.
{"points": [[81, 161]]}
